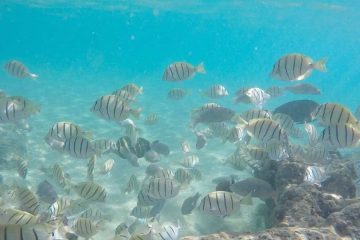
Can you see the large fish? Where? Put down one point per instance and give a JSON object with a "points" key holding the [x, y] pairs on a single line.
{"points": [[299, 110], [256, 187]]}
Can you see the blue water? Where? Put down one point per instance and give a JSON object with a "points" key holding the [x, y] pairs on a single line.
{"points": [[82, 50]]}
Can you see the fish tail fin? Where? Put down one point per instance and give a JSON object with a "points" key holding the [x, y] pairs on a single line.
{"points": [[200, 68], [136, 112], [33, 76], [320, 65]]}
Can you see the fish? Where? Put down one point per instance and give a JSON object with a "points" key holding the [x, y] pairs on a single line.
{"points": [[219, 129], [235, 134], [315, 175], [59, 175], [163, 188], [258, 188], [315, 153], [195, 174], [90, 168], [256, 152], [133, 89], [169, 231], [141, 147], [185, 147], [124, 95], [220, 203], [296, 67], [85, 228], [216, 91], [18, 232], [160, 148], [143, 236], [122, 235], [225, 185], [121, 227], [285, 121], [237, 161], [28, 201], [153, 170], [276, 151], [79, 147], [126, 150], [190, 161], [176, 94], [212, 115], [180, 71], [201, 140], [111, 108], [151, 119], [58, 207], [19, 70], [229, 178], [275, 91], [46, 192], [14, 216], [340, 136], [130, 130], [257, 96], [255, 113], [22, 168], [145, 199], [333, 113], [183, 176], [299, 110], [204, 108], [312, 133], [164, 173], [189, 204], [139, 227], [303, 88], [140, 212], [65, 130], [266, 130], [91, 191], [108, 166], [103, 146], [152, 156], [156, 209], [93, 214], [132, 185], [14, 109]]}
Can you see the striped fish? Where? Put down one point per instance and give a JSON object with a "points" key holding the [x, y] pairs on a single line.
{"points": [[312, 133], [85, 228], [296, 67], [90, 168], [276, 151], [190, 161], [176, 94], [103, 146], [164, 173], [19, 70], [220, 203], [204, 108], [122, 235], [17, 232], [169, 231], [255, 113], [195, 174], [216, 91], [142, 212], [144, 199], [91, 191], [285, 121], [14, 216], [143, 236], [58, 207], [124, 95], [110, 107], [163, 188], [22, 168], [219, 129], [182, 176], [59, 175], [316, 154], [121, 227], [333, 113], [133, 89], [275, 91], [107, 167], [237, 161], [151, 119], [315, 175], [257, 96], [266, 130], [180, 71], [15, 109], [66, 130], [133, 185], [236, 134], [340, 136], [79, 147], [257, 153], [28, 201], [93, 214]]}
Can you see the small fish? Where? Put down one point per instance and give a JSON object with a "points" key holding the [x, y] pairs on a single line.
{"points": [[133, 89], [93, 214], [204, 108], [164, 173], [190, 161], [189, 204], [112, 108], [235, 134], [58, 207], [153, 170], [145, 199], [276, 151], [28, 201], [22, 168], [176, 94], [169, 231], [299, 110], [156, 209], [285, 121], [312, 133], [296, 67], [90, 168], [237, 161], [303, 88], [19, 70], [24, 232], [340, 136], [103, 146], [163, 188], [257, 153], [126, 150], [183, 176], [180, 71], [108, 166], [15, 109], [46, 192], [122, 235], [160, 148], [152, 156], [59, 175], [266, 130], [216, 91], [132, 185], [91, 191], [141, 147], [257, 96], [185, 147], [315, 175], [85, 228], [14, 216], [140, 212], [151, 119], [333, 113], [315, 154], [255, 113], [258, 188], [124, 95], [143, 236], [65, 130], [200, 140], [79, 147], [275, 91], [212, 115], [220, 129]]}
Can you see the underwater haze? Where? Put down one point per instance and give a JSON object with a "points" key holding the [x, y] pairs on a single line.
{"points": [[169, 59]]}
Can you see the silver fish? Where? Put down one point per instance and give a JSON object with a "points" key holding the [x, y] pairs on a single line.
{"points": [[19, 70], [180, 71]]}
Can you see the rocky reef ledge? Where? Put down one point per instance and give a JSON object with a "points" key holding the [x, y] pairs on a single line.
{"points": [[304, 211]]}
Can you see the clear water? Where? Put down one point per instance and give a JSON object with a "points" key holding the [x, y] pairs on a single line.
{"points": [[85, 49]]}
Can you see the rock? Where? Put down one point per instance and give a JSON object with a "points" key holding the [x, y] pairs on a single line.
{"points": [[347, 221], [289, 173]]}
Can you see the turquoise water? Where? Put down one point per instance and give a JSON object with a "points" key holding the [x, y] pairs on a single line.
{"points": [[82, 50]]}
